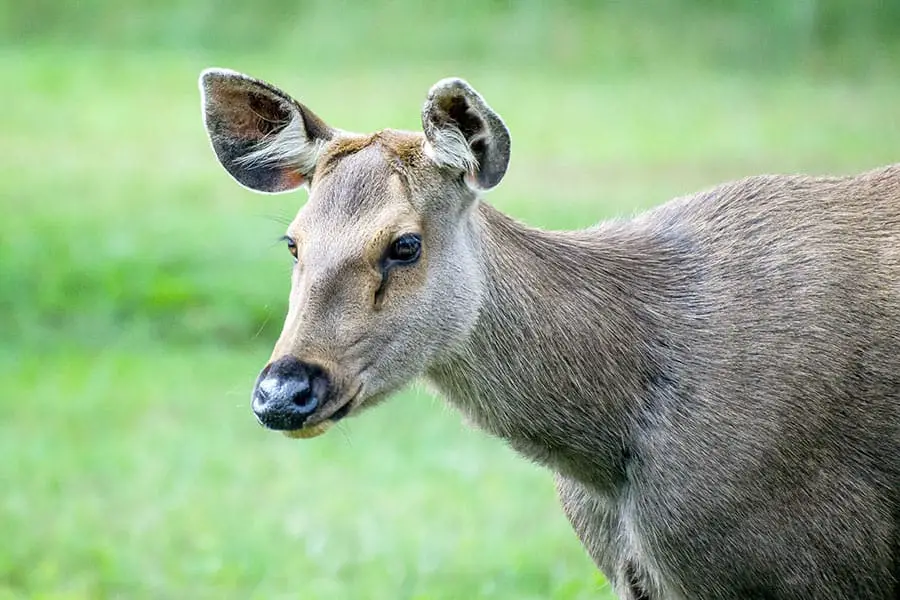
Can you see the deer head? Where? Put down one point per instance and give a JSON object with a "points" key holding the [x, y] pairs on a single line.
{"points": [[387, 276]]}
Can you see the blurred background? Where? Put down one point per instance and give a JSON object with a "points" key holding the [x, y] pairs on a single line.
{"points": [[141, 289]]}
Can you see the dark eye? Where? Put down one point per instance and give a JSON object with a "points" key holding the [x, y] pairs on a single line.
{"points": [[292, 246], [405, 249]]}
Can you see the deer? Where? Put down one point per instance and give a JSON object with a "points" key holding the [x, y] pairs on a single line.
{"points": [[714, 382]]}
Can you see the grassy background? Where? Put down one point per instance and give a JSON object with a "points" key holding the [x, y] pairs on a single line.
{"points": [[141, 289]]}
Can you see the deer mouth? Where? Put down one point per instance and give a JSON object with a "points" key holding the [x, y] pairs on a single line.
{"points": [[308, 432]]}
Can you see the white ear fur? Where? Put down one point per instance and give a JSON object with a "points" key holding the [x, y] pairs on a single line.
{"points": [[464, 133], [448, 147], [265, 139], [289, 148]]}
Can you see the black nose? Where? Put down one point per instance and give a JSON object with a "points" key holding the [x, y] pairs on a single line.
{"points": [[287, 392]]}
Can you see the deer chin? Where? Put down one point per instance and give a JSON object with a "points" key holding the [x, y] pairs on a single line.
{"points": [[309, 432]]}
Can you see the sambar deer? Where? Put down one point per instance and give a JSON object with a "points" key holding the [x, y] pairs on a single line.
{"points": [[715, 382]]}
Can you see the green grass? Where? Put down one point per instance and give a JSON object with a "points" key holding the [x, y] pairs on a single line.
{"points": [[141, 290], [139, 473], [573, 36]]}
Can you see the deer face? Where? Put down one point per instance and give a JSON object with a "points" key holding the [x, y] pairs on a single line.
{"points": [[387, 277]]}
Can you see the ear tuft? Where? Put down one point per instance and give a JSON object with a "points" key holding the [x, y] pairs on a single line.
{"points": [[464, 133], [265, 139]]}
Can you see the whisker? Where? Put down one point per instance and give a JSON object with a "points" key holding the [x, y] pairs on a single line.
{"points": [[281, 219], [264, 323], [345, 434]]}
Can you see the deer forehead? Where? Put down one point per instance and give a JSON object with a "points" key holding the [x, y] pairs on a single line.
{"points": [[402, 147], [359, 203]]}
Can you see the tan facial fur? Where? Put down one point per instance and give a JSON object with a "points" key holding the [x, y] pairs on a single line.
{"points": [[340, 316]]}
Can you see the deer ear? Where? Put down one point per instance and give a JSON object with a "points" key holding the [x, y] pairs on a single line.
{"points": [[464, 133], [265, 139]]}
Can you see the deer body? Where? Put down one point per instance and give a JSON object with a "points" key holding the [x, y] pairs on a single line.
{"points": [[715, 382], [696, 376]]}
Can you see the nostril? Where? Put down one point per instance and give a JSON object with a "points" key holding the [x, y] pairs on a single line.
{"points": [[294, 394], [288, 392], [305, 403], [299, 394], [318, 382]]}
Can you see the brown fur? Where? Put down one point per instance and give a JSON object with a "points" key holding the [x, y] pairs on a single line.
{"points": [[405, 146], [715, 382]]}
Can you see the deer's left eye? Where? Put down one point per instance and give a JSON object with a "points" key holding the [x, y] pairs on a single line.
{"points": [[406, 249]]}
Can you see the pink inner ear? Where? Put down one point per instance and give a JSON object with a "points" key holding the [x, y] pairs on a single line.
{"points": [[292, 179]]}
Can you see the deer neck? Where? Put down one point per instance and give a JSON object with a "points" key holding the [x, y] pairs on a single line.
{"points": [[569, 347]]}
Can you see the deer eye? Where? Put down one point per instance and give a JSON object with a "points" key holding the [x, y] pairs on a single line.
{"points": [[292, 246], [406, 249]]}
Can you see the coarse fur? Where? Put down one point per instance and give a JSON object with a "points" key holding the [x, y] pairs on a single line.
{"points": [[715, 382], [285, 147]]}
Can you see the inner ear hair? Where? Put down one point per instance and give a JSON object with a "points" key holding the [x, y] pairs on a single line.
{"points": [[464, 133], [284, 144], [265, 139], [449, 147]]}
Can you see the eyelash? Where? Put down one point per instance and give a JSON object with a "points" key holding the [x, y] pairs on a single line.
{"points": [[291, 244]]}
